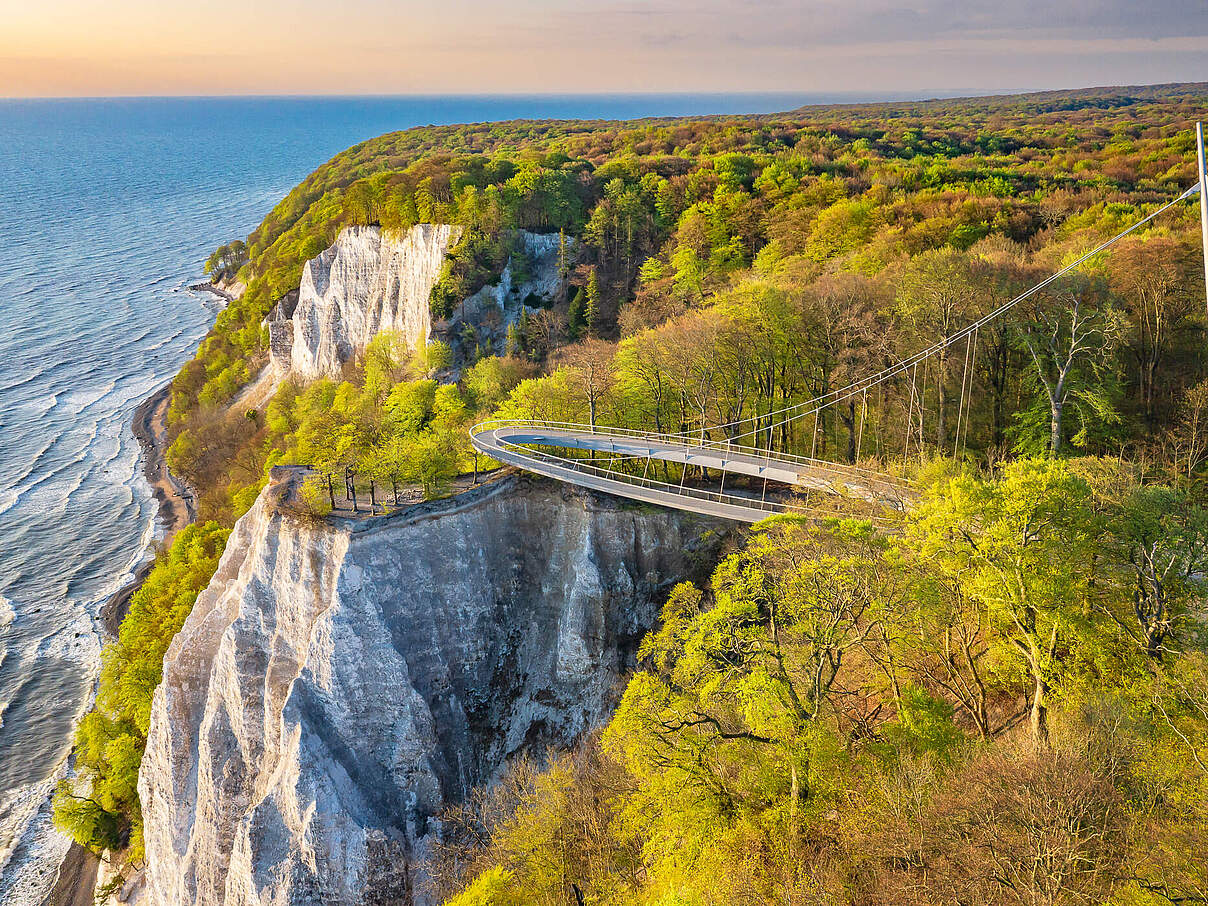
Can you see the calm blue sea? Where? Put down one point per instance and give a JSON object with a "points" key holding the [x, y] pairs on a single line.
{"points": [[107, 210]]}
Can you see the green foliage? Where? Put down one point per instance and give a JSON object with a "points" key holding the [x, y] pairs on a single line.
{"points": [[491, 379], [491, 888], [591, 302], [688, 206], [475, 261], [576, 314], [831, 679], [226, 260], [100, 809], [802, 729]]}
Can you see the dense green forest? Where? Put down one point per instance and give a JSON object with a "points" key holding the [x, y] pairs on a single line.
{"points": [[995, 697], [985, 704]]}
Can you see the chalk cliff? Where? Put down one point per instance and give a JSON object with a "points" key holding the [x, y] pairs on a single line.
{"points": [[366, 282], [369, 281], [337, 684]]}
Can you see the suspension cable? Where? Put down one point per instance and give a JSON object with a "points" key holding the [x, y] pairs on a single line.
{"points": [[969, 410], [838, 395], [960, 409]]}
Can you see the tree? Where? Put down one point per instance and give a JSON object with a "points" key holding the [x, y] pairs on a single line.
{"points": [[641, 378], [563, 264], [1020, 545], [1158, 540], [576, 318], [1188, 438], [410, 405], [938, 293], [591, 302], [1023, 829], [437, 356], [492, 378], [1067, 340], [88, 822], [848, 335], [943, 639], [1158, 279], [389, 461], [227, 259], [100, 807], [432, 460], [755, 676], [590, 367]]}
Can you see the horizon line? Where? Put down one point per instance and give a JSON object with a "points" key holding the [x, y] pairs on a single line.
{"points": [[865, 95], [922, 94]]}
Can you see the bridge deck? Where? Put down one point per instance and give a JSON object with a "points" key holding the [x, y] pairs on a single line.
{"points": [[514, 442]]}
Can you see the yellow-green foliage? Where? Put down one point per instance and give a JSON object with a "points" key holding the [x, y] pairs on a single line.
{"points": [[386, 430], [863, 186], [841, 717], [100, 807]]}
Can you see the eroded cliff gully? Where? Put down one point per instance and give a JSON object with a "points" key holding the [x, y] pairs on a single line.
{"points": [[370, 280], [337, 684]]}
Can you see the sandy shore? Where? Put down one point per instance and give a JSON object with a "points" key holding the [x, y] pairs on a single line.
{"points": [[76, 881], [175, 498], [77, 875]]}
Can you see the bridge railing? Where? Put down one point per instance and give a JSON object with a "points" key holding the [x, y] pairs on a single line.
{"points": [[517, 454], [722, 448]]}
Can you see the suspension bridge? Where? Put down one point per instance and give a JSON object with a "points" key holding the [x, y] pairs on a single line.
{"points": [[624, 462]]}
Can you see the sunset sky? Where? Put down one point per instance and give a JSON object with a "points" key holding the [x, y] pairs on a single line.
{"points": [[145, 47]]}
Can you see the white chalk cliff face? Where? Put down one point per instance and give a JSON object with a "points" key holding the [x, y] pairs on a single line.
{"points": [[337, 684], [366, 282]]}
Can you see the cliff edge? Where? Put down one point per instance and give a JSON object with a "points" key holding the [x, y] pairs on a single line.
{"points": [[337, 684]]}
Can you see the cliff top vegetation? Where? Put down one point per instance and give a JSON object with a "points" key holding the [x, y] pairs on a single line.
{"points": [[997, 700]]}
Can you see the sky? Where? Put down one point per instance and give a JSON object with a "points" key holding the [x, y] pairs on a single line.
{"points": [[213, 47]]}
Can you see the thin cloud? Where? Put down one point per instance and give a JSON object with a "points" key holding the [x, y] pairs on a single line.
{"points": [[376, 46]]}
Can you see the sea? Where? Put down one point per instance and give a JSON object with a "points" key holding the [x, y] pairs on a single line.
{"points": [[108, 207]]}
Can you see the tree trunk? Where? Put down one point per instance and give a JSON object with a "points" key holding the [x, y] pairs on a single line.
{"points": [[1055, 430], [850, 422], [1040, 714], [331, 492]]}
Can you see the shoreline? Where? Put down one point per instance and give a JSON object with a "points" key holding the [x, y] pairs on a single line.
{"points": [[77, 877], [209, 286], [177, 507]]}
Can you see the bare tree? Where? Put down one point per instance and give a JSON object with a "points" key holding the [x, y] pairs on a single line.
{"points": [[1066, 332], [590, 365]]}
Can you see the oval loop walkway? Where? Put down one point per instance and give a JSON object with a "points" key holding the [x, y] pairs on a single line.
{"points": [[521, 443]]}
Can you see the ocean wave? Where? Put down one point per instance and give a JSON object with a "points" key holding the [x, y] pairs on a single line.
{"points": [[87, 283], [15, 482], [30, 848], [77, 400]]}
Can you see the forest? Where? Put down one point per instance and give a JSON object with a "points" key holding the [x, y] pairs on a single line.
{"points": [[996, 696]]}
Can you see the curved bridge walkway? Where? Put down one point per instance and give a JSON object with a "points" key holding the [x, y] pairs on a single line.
{"points": [[527, 445], [818, 485]]}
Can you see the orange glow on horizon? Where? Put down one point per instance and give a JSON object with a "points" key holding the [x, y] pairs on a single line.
{"points": [[145, 47]]}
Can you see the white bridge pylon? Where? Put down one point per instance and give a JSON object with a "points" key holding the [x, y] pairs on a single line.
{"points": [[527, 444]]}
